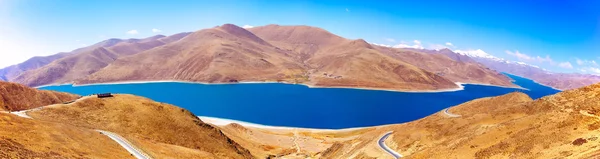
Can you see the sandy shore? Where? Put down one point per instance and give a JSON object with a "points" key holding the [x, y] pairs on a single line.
{"points": [[225, 122], [460, 85], [491, 85]]}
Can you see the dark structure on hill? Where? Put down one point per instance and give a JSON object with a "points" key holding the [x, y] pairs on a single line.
{"points": [[104, 95]]}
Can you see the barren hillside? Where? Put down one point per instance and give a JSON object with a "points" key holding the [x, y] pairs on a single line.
{"points": [[16, 97], [162, 130], [85, 61]]}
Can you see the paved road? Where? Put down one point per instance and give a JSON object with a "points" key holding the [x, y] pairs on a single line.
{"points": [[137, 153], [450, 114], [387, 149]]}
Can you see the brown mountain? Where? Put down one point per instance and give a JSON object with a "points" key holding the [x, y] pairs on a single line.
{"points": [[220, 54], [295, 54], [310, 42], [11, 72], [16, 97], [336, 61], [455, 67], [88, 60]]}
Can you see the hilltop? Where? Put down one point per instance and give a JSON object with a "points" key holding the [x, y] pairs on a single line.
{"points": [[16, 97]]}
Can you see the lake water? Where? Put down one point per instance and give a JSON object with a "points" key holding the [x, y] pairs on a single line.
{"points": [[299, 106]]}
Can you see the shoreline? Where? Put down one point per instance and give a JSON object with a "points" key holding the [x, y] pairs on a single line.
{"points": [[224, 122], [491, 85], [535, 82], [460, 85]]}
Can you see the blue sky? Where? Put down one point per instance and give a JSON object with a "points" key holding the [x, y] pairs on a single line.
{"points": [[562, 36]]}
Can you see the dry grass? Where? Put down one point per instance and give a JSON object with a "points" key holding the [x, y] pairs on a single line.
{"points": [[143, 119], [26, 138], [16, 97]]}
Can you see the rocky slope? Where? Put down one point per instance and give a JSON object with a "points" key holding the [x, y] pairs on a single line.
{"points": [[85, 61], [16, 97]]}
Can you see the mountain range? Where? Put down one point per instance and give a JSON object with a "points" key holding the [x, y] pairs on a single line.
{"points": [[272, 53]]}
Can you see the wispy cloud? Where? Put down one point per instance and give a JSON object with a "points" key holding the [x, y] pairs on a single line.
{"points": [[590, 70], [384, 45], [447, 45], [525, 57], [416, 45], [566, 65], [247, 26], [390, 39], [417, 42], [581, 62], [132, 32], [156, 30]]}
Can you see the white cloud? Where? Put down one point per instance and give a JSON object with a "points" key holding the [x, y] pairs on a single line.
{"points": [[581, 62], [449, 44], [519, 55], [417, 42], [437, 46], [132, 32], [390, 40], [156, 30], [247, 26], [525, 57], [566, 65], [591, 70], [416, 45], [384, 45]]}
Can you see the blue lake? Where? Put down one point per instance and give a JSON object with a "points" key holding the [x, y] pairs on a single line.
{"points": [[299, 106]]}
